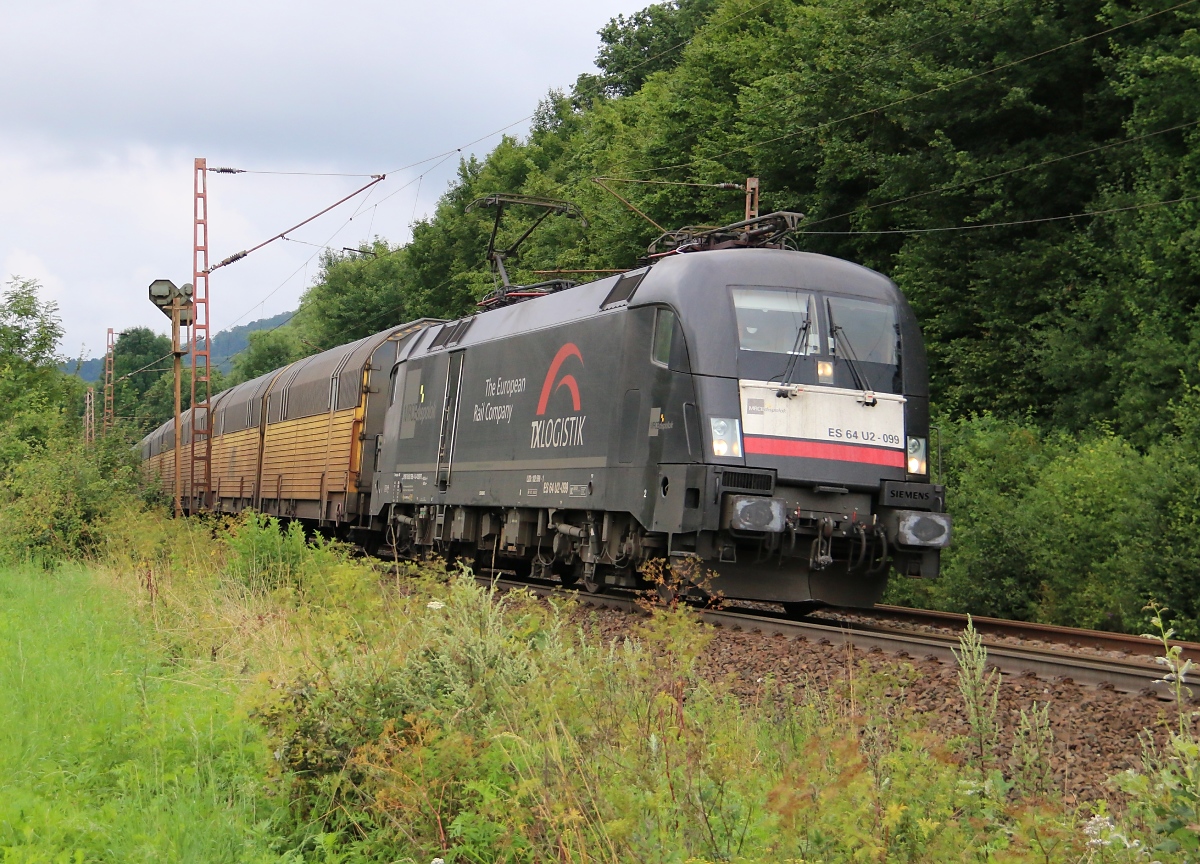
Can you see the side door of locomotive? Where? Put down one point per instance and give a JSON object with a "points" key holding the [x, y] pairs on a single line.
{"points": [[412, 432]]}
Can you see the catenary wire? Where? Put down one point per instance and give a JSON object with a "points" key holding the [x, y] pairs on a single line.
{"points": [[1007, 173], [308, 261], [1090, 213], [464, 146], [289, 278], [287, 173], [144, 368], [1085, 214], [238, 256], [442, 157], [671, 183]]}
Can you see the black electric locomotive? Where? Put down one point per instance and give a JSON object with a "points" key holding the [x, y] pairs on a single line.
{"points": [[759, 414], [755, 417]]}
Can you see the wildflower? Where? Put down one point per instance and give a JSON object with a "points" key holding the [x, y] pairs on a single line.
{"points": [[435, 604], [1102, 833]]}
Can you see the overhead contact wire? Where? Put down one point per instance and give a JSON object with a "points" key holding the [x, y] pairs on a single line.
{"points": [[1000, 174], [145, 368], [975, 227]]}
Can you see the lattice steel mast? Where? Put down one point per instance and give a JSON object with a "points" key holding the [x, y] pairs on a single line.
{"points": [[107, 424], [201, 425], [89, 415]]}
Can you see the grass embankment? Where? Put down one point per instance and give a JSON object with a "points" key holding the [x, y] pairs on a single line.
{"points": [[399, 717], [104, 754], [415, 715]]}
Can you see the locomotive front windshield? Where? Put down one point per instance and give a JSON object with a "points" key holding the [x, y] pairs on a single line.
{"points": [[776, 322], [781, 332], [866, 330]]}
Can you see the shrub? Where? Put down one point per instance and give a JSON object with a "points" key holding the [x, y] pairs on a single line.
{"points": [[1073, 531], [55, 504], [265, 555]]}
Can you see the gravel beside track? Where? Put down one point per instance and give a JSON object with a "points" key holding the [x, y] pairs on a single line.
{"points": [[1096, 728]]}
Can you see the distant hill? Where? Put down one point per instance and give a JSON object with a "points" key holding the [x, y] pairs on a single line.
{"points": [[228, 343], [225, 346], [88, 370]]}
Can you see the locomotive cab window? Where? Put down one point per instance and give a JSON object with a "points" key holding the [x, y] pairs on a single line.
{"points": [[669, 347], [863, 331], [664, 330], [776, 321]]}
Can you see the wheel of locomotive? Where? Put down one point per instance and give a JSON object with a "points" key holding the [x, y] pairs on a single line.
{"points": [[593, 580]]}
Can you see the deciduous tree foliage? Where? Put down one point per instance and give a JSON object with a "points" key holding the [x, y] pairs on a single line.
{"points": [[1026, 170], [905, 133], [140, 359], [34, 393]]}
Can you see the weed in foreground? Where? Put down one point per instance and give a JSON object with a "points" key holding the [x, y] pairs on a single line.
{"points": [[1165, 795], [980, 690]]}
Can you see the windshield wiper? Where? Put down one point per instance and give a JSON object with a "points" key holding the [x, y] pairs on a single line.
{"points": [[860, 381], [802, 339]]}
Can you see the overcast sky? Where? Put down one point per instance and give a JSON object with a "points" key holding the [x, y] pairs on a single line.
{"points": [[104, 105]]}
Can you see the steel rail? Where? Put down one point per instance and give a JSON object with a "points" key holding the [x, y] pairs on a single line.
{"points": [[1044, 663], [1074, 637]]}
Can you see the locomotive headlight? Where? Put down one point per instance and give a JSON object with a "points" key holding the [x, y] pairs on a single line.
{"points": [[825, 371], [726, 436], [918, 449]]}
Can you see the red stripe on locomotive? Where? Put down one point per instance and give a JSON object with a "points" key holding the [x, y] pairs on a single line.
{"points": [[763, 446]]}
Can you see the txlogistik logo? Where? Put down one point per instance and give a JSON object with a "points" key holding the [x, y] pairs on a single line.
{"points": [[564, 431]]}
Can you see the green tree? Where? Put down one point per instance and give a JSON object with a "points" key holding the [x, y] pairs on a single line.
{"points": [[33, 391], [268, 350], [29, 333], [635, 47], [355, 294], [140, 357]]}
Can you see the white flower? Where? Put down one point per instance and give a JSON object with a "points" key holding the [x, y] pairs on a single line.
{"points": [[435, 604], [1097, 829]]}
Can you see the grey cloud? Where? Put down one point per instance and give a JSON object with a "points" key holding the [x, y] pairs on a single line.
{"points": [[104, 104]]}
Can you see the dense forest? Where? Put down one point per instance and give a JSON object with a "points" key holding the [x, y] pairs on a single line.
{"points": [[1027, 171]]}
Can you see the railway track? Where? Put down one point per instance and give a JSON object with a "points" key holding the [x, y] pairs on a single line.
{"points": [[1053, 661], [1075, 638]]}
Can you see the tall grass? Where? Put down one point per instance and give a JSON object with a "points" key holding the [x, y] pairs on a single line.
{"points": [[109, 751], [413, 715], [410, 713], [485, 729]]}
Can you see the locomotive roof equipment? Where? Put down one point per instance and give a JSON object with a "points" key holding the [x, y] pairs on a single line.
{"points": [[759, 232], [506, 292]]}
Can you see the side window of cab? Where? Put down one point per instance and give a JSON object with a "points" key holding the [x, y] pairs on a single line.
{"points": [[668, 349]]}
